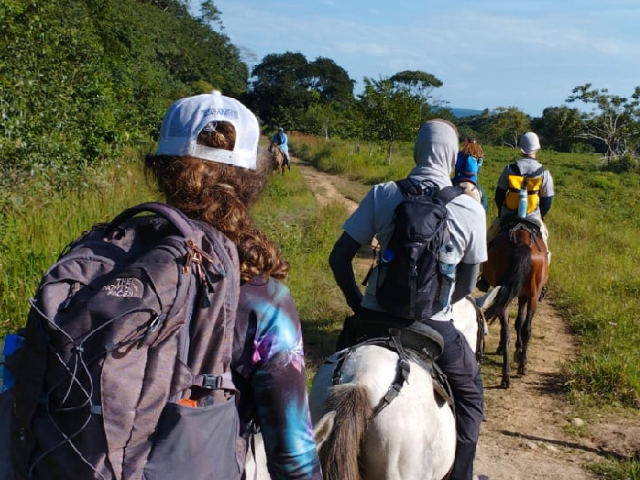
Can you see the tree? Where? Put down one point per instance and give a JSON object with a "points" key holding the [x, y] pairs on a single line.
{"points": [[279, 90], [475, 125], [559, 128], [210, 14], [506, 126], [286, 86], [95, 75], [330, 80], [390, 113], [418, 84], [611, 123]]}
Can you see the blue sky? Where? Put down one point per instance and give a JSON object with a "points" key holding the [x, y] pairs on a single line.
{"points": [[488, 53]]}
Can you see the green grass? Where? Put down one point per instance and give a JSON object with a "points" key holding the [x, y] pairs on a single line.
{"points": [[37, 222], [613, 469]]}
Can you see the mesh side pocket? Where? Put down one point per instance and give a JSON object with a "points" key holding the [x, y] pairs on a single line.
{"points": [[196, 443]]}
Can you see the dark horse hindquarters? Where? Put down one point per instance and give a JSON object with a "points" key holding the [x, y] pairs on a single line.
{"points": [[517, 263]]}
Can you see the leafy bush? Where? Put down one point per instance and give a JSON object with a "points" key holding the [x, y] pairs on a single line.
{"points": [[621, 164]]}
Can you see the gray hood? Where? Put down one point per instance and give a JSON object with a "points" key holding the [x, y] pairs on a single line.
{"points": [[435, 153]]}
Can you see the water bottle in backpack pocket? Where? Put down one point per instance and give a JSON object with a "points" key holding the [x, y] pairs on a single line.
{"points": [[522, 203], [523, 193], [447, 267]]}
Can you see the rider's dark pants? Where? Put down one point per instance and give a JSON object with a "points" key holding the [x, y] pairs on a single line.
{"points": [[459, 364]]}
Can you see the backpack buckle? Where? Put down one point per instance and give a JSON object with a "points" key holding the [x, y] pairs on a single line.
{"points": [[211, 382]]}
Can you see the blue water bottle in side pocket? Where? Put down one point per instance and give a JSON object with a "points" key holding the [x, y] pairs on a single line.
{"points": [[447, 267], [10, 344], [522, 203]]}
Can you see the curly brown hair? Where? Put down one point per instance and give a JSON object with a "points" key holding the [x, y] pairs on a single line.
{"points": [[472, 148], [220, 195]]}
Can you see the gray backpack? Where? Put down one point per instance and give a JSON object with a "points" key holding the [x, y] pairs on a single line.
{"points": [[125, 368]]}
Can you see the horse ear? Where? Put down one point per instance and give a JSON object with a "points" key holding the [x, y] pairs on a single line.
{"points": [[323, 428]]}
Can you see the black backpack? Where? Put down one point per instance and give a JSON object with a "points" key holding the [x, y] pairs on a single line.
{"points": [[125, 368], [409, 282]]}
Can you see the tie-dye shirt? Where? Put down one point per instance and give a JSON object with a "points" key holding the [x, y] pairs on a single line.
{"points": [[269, 371]]}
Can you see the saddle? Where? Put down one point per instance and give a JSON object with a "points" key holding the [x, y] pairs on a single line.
{"points": [[418, 343], [523, 224], [513, 224]]}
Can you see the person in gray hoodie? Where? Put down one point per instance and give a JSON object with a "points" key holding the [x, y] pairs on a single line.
{"points": [[435, 153]]}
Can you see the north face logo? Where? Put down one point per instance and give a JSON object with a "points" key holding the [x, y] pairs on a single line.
{"points": [[125, 288]]}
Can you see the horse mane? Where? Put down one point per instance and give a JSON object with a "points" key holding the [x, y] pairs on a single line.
{"points": [[339, 454]]}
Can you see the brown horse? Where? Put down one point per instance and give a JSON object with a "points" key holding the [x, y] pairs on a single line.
{"points": [[277, 158], [518, 264]]}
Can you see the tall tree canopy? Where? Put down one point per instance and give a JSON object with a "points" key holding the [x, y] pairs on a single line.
{"points": [[285, 86], [420, 85], [80, 78]]}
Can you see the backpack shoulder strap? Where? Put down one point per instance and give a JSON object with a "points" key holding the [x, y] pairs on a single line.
{"points": [[449, 193], [537, 173], [515, 168], [405, 185]]}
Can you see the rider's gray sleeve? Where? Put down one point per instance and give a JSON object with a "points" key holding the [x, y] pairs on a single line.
{"points": [[466, 276]]}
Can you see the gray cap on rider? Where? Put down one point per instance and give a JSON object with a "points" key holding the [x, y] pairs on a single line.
{"points": [[529, 143]]}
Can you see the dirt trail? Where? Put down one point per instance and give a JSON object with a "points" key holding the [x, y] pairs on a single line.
{"points": [[523, 436]]}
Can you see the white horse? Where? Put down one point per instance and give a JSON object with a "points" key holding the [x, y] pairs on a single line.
{"points": [[412, 438]]}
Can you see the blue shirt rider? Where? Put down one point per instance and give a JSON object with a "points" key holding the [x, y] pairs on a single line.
{"points": [[281, 139]]}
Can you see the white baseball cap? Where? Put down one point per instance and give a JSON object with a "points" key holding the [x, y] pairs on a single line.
{"points": [[529, 143], [187, 117]]}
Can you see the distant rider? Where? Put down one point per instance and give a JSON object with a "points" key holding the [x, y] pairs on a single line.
{"points": [[280, 138], [506, 198]]}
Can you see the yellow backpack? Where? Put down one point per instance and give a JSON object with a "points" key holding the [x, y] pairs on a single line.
{"points": [[532, 182]]}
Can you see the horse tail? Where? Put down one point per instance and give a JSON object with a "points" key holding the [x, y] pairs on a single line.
{"points": [[512, 282], [338, 457]]}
